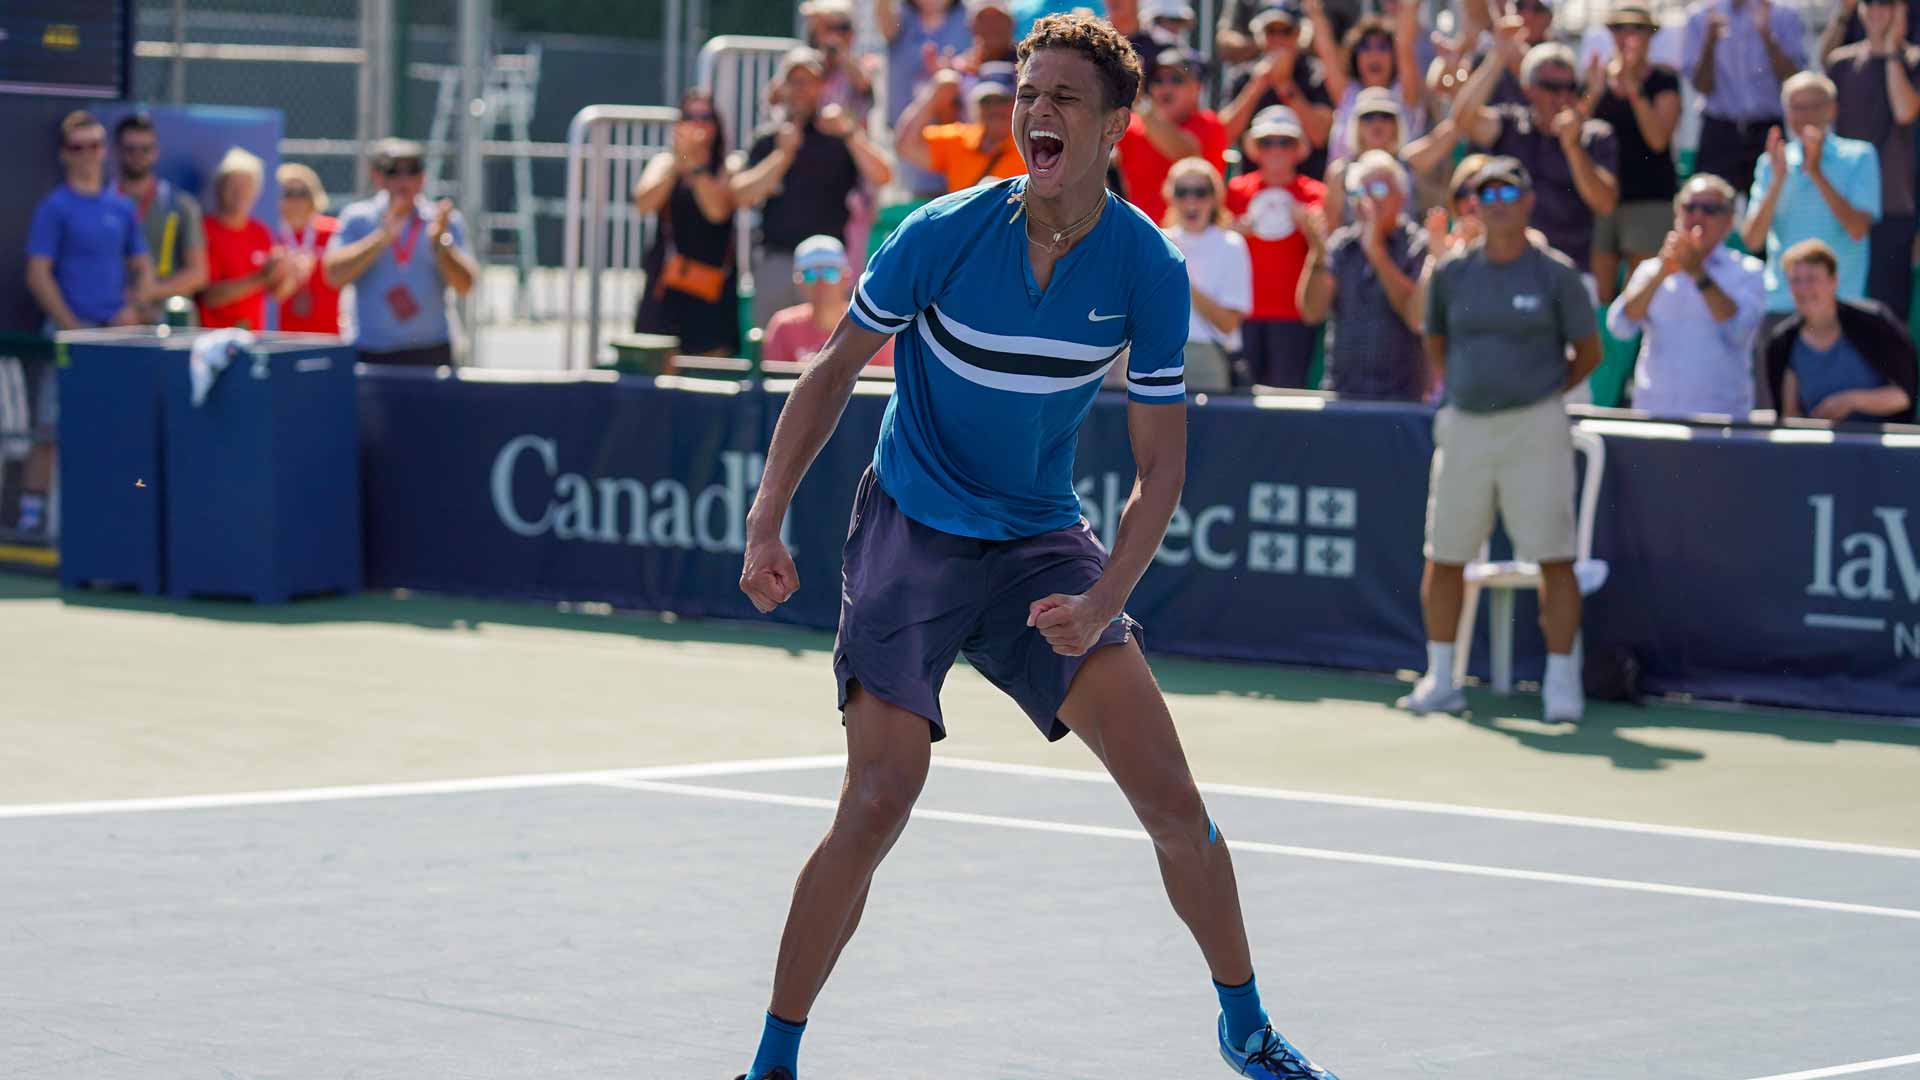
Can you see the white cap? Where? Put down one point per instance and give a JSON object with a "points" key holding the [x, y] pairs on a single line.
{"points": [[819, 253], [1276, 120], [1167, 9]]}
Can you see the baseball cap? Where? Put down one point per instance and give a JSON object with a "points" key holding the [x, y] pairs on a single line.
{"points": [[1178, 56], [1167, 9], [1285, 11], [1276, 120], [801, 57], [1503, 170], [1375, 101], [388, 151], [819, 253], [827, 7], [982, 89]]}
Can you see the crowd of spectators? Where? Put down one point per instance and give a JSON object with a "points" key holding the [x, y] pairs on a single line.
{"points": [[1318, 168]]}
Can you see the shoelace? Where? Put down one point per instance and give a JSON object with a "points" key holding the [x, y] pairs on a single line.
{"points": [[1275, 1054]]}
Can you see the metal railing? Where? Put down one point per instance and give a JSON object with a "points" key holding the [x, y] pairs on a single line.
{"points": [[736, 69], [606, 238]]}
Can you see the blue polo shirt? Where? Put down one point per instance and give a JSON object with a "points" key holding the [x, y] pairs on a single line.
{"points": [[89, 238], [1853, 168], [386, 321], [993, 376]]}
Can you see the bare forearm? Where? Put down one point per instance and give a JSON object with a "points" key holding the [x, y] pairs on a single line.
{"points": [[1856, 221], [655, 184], [1703, 68], [1721, 306], [1221, 318], [343, 265], [1783, 65], [752, 186], [233, 289], [713, 196], [1237, 114], [812, 412], [1882, 401], [1170, 138], [909, 140], [1657, 119], [46, 293], [1393, 281], [1754, 233], [874, 163], [1586, 358], [1831, 37], [1436, 346], [1900, 91], [456, 267], [185, 282], [1317, 286], [1143, 525], [1597, 187]]}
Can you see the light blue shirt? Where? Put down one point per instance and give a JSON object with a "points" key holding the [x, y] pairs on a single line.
{"points": [[1028, 12], [993, 376], [1853, 168], [1688, 362], [1744, 86], [381, 329]]}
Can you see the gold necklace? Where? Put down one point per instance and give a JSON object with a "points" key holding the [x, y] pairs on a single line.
{"points": [[1060, 236]]}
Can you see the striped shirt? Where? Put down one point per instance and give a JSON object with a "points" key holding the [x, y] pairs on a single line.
{"points": [[993, 376], [1853, 168], [1744, 86]]}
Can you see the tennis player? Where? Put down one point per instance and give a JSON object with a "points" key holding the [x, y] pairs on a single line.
{"points": [[1010, 303]]}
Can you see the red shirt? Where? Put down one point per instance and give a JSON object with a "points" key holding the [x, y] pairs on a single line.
{"points": [[235, 253], [1145, 167], [315, 307], [1278, 247], [793, 337]]}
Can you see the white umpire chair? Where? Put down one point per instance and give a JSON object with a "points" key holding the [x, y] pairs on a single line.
{"points": [[1504, 579]]}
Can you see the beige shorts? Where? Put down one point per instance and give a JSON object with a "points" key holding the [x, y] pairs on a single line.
{"points": [[1518, 462]]}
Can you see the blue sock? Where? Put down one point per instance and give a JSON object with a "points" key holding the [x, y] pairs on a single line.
{"points": [[1241, 1004], [779, 1047]]}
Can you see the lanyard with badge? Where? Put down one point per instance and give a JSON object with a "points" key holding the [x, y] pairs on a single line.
{"points": [[400, 299], [300, 304]]}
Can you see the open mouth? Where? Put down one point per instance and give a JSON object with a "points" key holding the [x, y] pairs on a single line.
{"points": [[1045, 148]]}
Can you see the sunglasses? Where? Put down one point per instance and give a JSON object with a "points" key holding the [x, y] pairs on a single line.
{"points": [[1499, 193], [1377, 189], [1707, 209], [1170, 78], [831, 275], [404, 168], [295, 191], [1192, 191], [1272, 141], [1557, 86], [85, 147]]}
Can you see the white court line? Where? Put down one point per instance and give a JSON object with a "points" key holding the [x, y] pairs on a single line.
{"points": [[1371, 803], [1847, 1070], [423, 787], [1323, 854]]}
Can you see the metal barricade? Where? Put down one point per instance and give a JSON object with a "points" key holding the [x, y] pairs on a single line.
{"points": [[736, 70], [607, 147]]}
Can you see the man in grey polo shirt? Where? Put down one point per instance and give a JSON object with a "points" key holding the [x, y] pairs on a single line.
{"points": [[1500, 317]]}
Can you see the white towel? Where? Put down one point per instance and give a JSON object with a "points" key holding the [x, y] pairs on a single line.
{"points": [[212, 352]]}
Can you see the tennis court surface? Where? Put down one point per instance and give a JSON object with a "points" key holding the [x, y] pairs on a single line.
{"points": [[620, 920]]}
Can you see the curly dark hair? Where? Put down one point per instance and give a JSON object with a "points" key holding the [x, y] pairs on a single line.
{"points": [[1098, 41]]}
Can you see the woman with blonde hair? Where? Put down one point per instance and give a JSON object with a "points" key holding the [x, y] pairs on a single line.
{"points": [[312, 306], [1219, 270], [243, 264]]}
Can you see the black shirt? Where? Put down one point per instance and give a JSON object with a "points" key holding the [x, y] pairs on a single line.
{"points": [[812, 198], [1312, 82], [1645, 173]]}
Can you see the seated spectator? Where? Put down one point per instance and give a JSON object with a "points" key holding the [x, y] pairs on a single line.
{"points": [[1532, 23], [1847, 361], [313, 306], [830, 30], [692, 282], [400, 292], [1738, 54], [1698, 304], [923, 37], [962, 154], [821, 275], [1285, 75], [169, 217], [243, 262], [1168, 125], [799, 173], [1367, 275], [1375, 55], [1814, 185], [1640, 101], [87, 262], [1874, 80], [1268, 205], [1219, 271], [1573, 161]]}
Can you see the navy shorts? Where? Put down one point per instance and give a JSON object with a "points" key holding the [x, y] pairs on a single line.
{"points": [[912, 598]]}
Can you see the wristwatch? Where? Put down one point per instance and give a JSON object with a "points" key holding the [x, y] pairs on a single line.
{"points": [[446, 239], [1702, 279]]}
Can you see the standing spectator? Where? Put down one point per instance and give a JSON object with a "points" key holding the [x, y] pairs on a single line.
{"points": [[1737, 53], [1500, 317], [87, 261], [1219, 271], [1374, 55], [1640, 101], [1698, 304], [800, 171], [170, 218], [400, 292], [846, 82], [1234, 41], [1368, 276], [923, 37], [1531, 21], [1287, 76], [1874, 80], [821, 275], [1268, 206], [692, 282], [1846, 27], [313, 306], [991, 23], [1168, 124], [1841, 360], [962, 154], [1376, 124], [1814, 186], [1572, 160], [243, 263]]}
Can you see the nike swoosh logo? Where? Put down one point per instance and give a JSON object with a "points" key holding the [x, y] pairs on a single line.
{"points": [[1093, 315]]}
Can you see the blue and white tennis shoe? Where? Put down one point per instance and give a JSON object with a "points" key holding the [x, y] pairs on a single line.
{"points": [[1267, 1056]]}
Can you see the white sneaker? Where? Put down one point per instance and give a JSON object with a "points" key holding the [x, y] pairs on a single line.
{"points": [[1564, 700], [1431, 695]]}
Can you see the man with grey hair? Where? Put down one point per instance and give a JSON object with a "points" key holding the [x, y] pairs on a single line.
{"points": [[1367, 275], [1572, 158], [1698, 304]]}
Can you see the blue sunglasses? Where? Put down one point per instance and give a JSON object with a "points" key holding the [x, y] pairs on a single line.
{"points": [[1499, 193], [830, 275]]}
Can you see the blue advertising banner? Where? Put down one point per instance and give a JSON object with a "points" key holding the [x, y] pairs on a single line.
{"points": [[1297, 539]]}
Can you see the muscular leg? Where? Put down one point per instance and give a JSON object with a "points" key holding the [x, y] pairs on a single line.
{"points": [[1559, 606], [887, 756], [1116, 709], [1442, 593]]}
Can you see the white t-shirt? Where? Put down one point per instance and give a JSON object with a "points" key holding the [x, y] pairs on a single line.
{"points": [[1220, 268]]}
